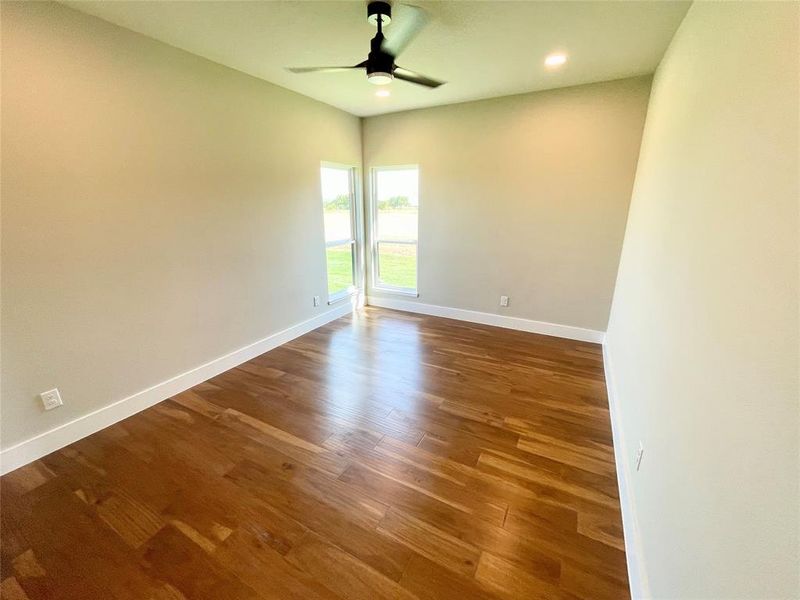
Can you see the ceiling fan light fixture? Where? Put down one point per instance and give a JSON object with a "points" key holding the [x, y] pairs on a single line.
{"points": [[379, 77], [383, 93]]}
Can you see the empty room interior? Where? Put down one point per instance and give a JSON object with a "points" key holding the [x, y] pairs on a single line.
{"points": [[426, 300]]}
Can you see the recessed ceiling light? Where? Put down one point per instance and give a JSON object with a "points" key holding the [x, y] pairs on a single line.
{"points": [[555, 60], [383, 93]]}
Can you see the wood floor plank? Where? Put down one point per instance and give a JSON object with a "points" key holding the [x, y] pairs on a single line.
{"points": [[522, 471], [454, 522], [177, 560], [253, 559], [430, 581], [510, 582], [11, 590], [583, 583], [134, 522], [26, 566], [602, 525], [384, 455], [492, 488], [587, 458], [340, 522], [342, 573], [427, 540]]}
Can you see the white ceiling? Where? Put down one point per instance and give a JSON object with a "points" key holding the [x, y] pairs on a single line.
{"points": [[482, 49]]}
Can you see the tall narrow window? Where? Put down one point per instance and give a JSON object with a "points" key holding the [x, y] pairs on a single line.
{"points": [[395, 216], [339, 208]]}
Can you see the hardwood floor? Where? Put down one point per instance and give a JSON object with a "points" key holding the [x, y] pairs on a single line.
{"points": [[385, 455]]}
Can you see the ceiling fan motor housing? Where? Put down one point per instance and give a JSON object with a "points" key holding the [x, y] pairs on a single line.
{"points": [[379, 8], [380, 65]]}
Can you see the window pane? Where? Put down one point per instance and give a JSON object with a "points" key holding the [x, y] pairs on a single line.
{"points": [[336, 203], [397, 203], [397, 264], [340, 268]]}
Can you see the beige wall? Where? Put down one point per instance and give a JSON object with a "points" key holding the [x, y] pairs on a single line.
{"points": [[158, 211], [703, 335], [524, 196]]}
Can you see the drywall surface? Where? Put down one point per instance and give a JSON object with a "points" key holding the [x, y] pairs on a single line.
{"points": [[158, 211], [703, 334], [524, 196]]}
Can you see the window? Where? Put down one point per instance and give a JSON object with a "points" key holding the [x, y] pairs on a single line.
{"points": [[339, 209], [395, 216]]}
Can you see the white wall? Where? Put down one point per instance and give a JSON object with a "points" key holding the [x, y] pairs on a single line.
{"points": [[524, 196], [159, 211], [703, 335]]}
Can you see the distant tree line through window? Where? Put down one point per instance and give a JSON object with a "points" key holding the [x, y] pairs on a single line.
{"points": [[342, 202]]}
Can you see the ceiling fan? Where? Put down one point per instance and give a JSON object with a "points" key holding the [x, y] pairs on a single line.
{"points": [[380, 65]]}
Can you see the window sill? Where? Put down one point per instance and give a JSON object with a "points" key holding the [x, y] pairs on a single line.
{"points": [[342, 296], [396, 291]]}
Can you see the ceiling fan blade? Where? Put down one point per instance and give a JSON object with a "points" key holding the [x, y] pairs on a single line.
{"points": [[404, 28], [324, 69], [412, 77]]}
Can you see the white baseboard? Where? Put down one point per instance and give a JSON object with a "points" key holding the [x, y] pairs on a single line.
{"points": [[63, 435], [637, 573], [474, 316]]}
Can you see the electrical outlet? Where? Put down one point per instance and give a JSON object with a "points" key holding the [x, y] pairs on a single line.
{"points": [[316, 300], [639, 454], [51, 399], [503, 300]]}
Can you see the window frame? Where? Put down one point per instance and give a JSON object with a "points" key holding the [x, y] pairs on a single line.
{"points": [[356, 233], [375, 282]]}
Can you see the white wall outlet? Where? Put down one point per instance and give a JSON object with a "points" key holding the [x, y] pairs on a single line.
{"points": [[503, 300], [51, 399], [639, 454], [316, 300]]}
